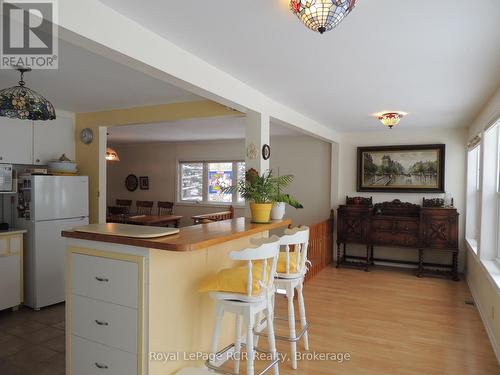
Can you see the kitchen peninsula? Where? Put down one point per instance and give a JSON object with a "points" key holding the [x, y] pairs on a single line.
{"points": [[128, 298]]}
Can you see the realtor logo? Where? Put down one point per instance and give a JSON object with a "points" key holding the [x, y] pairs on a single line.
{"points": [[29, 34]]}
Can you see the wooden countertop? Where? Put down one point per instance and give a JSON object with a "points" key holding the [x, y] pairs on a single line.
{"points": [[189, 238]]}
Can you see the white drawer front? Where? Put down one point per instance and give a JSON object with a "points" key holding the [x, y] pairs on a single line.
{"points": [[15, 244], [106, 279], [90, 358], [104, 322]]}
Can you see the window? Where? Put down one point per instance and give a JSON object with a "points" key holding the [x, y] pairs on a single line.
{"points": [[191, 181], [489, 242], [204, 181]]}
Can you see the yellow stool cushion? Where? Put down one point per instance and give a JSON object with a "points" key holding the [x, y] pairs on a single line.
{"points": [[281, 267], [234, 280]]}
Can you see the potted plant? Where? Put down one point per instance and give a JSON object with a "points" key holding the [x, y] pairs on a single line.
{"points": [[258, 190], [280, 198]]}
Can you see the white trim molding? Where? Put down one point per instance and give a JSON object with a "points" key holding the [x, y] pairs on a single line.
{"points": [[482, 313]]}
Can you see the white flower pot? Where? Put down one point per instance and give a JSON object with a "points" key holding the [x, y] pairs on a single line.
{"points": [[278, 211]]}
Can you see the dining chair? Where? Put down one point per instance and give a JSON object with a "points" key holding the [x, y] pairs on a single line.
{"points": [[127, 203], [165, 208], [144, 207], [117, 214]]}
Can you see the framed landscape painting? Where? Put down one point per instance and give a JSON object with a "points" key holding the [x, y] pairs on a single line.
{"points": [[417, 168]]}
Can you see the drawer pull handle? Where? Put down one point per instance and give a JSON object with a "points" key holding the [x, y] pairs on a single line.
{"points": [[101, 323], [101, 366], [102, 279]]}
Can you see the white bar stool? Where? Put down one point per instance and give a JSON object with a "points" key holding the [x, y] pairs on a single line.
{"points": [[247, 306], [292, 269]]}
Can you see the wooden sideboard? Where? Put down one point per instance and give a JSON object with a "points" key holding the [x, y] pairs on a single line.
{"points": [[397, 224]]}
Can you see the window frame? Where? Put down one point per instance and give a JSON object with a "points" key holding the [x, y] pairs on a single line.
{"points": [[497, 257], [205, 202], [473, 217]]}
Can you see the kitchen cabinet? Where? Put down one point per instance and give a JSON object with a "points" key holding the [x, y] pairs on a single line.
{"points": [[11, 264], [16, 141], [36, 142], [53, 138]]}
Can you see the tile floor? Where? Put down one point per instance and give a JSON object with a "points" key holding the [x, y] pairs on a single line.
{"points": [[32, 342]]}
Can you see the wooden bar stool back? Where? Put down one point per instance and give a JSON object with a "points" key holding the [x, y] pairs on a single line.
{"points": [[144, 207]]}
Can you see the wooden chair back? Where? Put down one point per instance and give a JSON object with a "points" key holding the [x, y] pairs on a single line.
{"points": [[144, 207], [216, 216], [165, 208], [265, 250], [117, 214], [124, 203], [298, 239]]}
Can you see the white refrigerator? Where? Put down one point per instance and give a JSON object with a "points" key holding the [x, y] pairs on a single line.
{"points": [[48, 205]]}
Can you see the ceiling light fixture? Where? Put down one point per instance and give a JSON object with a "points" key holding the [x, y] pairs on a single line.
{"points": [[321, 15], [20, 102], [111, 155], [390, 119]]}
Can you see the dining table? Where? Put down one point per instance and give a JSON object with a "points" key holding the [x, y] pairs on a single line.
{"points": [[154, 220]]}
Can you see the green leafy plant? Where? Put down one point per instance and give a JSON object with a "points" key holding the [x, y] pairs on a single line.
{"points": [[282, 182], [265, 188], [255, 188]]}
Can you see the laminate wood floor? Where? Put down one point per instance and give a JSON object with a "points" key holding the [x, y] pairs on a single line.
{"points": [[391, 322], [388, 321]]}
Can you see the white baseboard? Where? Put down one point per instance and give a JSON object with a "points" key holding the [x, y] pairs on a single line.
{"points": [[482, 313]]}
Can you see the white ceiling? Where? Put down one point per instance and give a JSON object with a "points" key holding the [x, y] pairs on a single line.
{"points": [[189, 130], [437, 60], [88, 82]]}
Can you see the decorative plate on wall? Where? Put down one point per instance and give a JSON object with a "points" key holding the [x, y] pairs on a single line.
{"points": [[131, 182], [252, 151]]}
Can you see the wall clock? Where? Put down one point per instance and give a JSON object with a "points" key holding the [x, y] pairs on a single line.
{"points": [[131, 182], [266, 152], [87, 136]]}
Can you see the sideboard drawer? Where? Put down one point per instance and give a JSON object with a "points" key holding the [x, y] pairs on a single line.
{"points": [[109, 280], [407, 226], [104, 322], [90, 358], [394, 239], [380, 224]]}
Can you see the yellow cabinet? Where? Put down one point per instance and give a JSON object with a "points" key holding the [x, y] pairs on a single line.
{"points": [[11, 265]]}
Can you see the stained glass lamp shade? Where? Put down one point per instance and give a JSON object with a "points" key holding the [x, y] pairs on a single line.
{"points": [[20, 102], [321, 15], [391, 119]]}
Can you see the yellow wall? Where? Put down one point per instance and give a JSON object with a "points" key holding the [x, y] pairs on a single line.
{"points": [[485, 296], [87, 156]]}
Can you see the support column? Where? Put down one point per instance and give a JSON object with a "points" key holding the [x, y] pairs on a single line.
{"points": [[257, 128]]}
